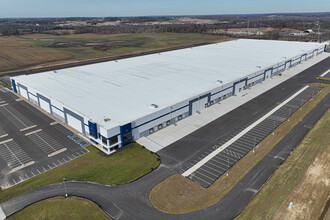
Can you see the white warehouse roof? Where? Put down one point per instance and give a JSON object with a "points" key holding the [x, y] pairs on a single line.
{"points": [[124, 90]]}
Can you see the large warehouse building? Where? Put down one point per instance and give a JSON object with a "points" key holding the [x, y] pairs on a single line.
{"points": [[116, 102]]}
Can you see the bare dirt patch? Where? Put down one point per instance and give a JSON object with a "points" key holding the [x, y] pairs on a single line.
{"points": [[310, 195]]}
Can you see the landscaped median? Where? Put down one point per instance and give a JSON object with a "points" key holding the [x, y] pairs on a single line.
{"points": [[178, 194], [120, 168], [61, 208]]}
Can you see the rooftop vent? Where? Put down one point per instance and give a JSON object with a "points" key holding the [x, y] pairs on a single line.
{"points": [[107, 119], [219, 81], [153, 106], [259, 67], [55, 71]]}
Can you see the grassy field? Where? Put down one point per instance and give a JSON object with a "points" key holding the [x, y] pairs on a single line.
{"points": [[61, 208], [178, 194], [31, 51], [122, 167], [302, 179]]}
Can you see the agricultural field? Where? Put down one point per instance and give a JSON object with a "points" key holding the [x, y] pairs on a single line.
{"points": [[40, 50]]}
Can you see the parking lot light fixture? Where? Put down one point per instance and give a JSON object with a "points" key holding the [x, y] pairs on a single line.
{"points": [[66, 193]]}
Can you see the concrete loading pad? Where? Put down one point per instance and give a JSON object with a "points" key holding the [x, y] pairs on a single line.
{"points": [[31, 142], [218, 164]]}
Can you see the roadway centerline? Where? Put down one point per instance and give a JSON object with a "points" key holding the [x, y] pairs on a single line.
{"points": [[239, 135]]}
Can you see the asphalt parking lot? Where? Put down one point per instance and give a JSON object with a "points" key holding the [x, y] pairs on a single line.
{"points": [[31, 142], [220, 163]]}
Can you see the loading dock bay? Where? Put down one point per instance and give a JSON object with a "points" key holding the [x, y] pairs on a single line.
{"points": [[31, 142]]}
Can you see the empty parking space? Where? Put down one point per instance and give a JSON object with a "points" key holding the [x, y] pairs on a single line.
{"points": [[13, 155], [217, 165], [46, 144], [16, 118]]}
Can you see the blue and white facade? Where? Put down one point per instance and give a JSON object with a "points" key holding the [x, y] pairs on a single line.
{"points": [[114, 103]]}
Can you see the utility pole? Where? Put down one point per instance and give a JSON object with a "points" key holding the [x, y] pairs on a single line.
{"points": [[248, 27], [318, 30]]}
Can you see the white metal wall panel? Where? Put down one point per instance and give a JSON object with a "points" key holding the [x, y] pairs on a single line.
{"points": [[75, 123], [24, 92], [44, 105], [58, 112], [33, 99]]}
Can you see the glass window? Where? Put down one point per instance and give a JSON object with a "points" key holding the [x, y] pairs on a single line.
{"points": [[168, 122], [160, 126], [127, 137], [91, 133], [104, 140], [106, 149], [113, 140], [212, 102], [180, 117]]}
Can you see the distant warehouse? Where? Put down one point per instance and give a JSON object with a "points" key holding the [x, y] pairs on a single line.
{"points": [[116, 102]]}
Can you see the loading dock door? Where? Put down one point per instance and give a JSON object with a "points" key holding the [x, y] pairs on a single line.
{"points": [[268, 73], [24, 92], [199, 105], [75, 123], [238, 87], [44, 105]]}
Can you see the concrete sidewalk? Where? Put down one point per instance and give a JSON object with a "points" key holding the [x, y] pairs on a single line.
{"points": [[171, 134], [2, 214]]}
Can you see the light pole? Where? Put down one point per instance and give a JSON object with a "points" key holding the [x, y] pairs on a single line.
{"points": [[199, 104], [274, 127], [312, 94], [289, 114], [227, 167], [254, 144], [66, 193]]}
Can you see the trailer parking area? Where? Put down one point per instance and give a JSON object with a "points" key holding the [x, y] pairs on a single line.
{"points": [[31, 142]]}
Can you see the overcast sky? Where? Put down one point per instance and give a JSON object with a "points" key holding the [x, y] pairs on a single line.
{"points": [[104, 8]]}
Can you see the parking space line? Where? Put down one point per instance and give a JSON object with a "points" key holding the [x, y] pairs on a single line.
{"points": [[14, 116], [201, 168], [217, 171], [2, 105], [194, 176], [204, 175], [219, 162]]}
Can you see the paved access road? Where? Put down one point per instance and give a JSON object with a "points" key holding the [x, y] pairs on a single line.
{"points": [[131, 201]]}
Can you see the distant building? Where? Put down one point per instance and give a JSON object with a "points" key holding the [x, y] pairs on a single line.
{"points": [[309, 31]]}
